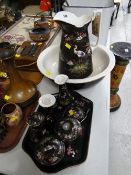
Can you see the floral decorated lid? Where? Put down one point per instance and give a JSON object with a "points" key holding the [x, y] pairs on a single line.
{"points": [[76, 112], [68, 129], [50, 151]]}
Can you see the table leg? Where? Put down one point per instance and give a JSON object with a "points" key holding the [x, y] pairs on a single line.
{"points": [[117, 6]]}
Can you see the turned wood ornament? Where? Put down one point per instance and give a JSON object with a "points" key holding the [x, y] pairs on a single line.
{"points": [[122, 52]]}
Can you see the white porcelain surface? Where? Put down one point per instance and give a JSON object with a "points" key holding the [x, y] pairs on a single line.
{"points": [[47, 100], [71, 18], [61, 79], [85, 9], [103, 63]]}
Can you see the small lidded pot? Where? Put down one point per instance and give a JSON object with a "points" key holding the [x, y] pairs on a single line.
{"points": [[50, 151], [68, 129], [13, 113]]}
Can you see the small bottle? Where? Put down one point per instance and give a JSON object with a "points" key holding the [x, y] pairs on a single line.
{"points": [[65, 98], [48, 104]]}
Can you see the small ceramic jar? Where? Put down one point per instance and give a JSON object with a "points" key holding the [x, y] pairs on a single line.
{"points": [[50, 151], [13, 113], [68, 129]]}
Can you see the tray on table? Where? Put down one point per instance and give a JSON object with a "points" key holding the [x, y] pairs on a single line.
{"points": [[14, 134], [75, 151]]}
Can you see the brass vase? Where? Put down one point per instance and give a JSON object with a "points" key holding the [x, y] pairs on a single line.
{"points": [[20, 91], [13, 114]]}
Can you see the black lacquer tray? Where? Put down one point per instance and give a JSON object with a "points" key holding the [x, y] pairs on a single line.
{"points": [[75, 151]]}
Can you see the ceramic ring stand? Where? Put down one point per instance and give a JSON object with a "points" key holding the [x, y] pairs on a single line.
{"points": [[122, 52]]}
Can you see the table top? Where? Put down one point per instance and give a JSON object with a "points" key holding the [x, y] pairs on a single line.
{"points": [[17, 162]]}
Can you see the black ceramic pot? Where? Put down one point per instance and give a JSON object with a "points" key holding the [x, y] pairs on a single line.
{"points": [[50, 151], [68, 129]]}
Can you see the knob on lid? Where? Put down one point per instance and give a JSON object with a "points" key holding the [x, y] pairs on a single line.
{"points": [[6, 50]]}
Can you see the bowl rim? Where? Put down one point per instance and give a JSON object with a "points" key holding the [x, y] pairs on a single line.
{"points": [[84, 80]]}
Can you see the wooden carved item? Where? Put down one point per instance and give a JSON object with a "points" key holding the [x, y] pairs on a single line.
{"points": [[122, 52]]}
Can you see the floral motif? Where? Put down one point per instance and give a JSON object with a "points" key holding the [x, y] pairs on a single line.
{"points": [[70, 151]]}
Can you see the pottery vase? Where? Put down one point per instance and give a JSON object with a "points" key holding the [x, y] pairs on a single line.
{"points": [[20, 91]]}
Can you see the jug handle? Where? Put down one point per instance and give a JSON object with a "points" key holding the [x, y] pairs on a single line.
{"points": [[95, 20]]}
